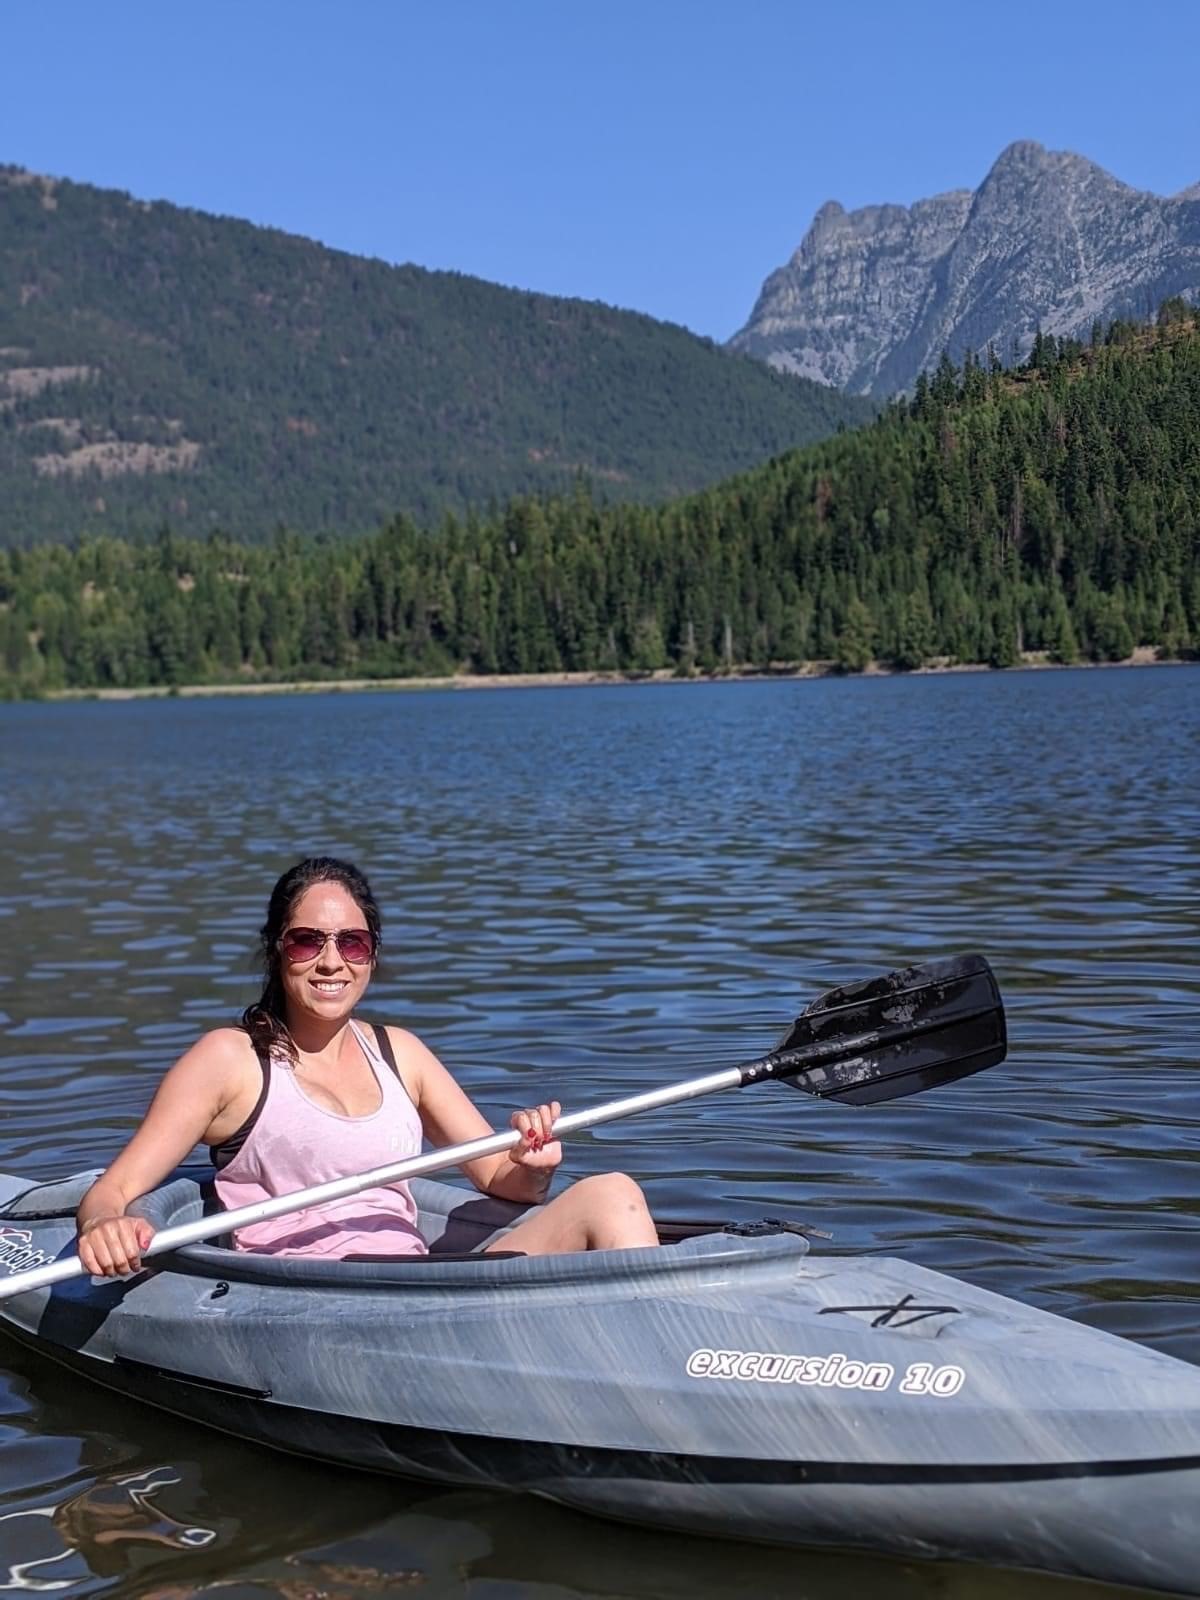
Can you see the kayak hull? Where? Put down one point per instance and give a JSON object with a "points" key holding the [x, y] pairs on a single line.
{"points": [[1088, 1525], [727, 1384]]}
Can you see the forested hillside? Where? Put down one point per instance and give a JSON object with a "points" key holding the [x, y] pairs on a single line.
{"points": [[162, 366], [1053, 508]]}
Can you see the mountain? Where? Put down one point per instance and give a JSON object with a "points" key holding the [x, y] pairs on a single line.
{"points": [[1053, 508], [163, 365], [873, 297]]}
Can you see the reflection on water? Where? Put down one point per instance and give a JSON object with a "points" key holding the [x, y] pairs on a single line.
{"points": [[92, 1527], [588, 893], [103, 1497]]}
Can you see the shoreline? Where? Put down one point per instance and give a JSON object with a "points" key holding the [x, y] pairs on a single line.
{"points": [[1031, 661]]}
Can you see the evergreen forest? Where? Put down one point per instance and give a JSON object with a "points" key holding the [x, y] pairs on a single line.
{"points": [[160, 363], [1052, 508]]}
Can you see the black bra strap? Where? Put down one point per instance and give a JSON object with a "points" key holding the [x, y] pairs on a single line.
{"points": [[222, 1154], [385, 1046]]}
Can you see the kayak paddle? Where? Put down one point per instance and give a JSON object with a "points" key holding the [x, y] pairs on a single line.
{"points": [[876, 1040]]}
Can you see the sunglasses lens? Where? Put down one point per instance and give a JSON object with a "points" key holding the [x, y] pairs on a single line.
{"points": [[356, 945], [302, 944]]}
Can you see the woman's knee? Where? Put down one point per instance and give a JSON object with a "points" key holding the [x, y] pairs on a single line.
{"points": [[613, 1191], [606, 1211]]}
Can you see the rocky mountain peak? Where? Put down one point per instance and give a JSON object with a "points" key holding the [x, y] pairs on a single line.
{"points": [[1027, 155], [1049, 239], [828, 214]]}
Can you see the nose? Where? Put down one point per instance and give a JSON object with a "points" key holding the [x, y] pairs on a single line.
{"points": [[330, 958]]}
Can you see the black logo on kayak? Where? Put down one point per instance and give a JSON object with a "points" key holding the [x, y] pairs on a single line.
{"points": [[901, 1315]]}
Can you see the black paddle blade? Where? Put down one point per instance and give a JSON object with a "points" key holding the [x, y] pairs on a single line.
{"points": [[896, 1035]]}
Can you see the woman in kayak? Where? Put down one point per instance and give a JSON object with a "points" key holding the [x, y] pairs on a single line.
{"points": [[302, 1093]]}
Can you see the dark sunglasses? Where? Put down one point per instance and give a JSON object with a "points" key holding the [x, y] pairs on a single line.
{"points": [[355, 945]]}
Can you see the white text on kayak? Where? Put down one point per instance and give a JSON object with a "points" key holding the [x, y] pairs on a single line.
{"points": [[827, 1372]]}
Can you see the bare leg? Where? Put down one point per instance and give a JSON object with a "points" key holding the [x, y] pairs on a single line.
{"points": [[606, 1212]]}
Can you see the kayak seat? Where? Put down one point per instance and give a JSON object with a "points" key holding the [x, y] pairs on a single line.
{"points": [[461, 1222]]}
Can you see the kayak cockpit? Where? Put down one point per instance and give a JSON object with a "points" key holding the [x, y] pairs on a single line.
{"points": [[459, 1226]]}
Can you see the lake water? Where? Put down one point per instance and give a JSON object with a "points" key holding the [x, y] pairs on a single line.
{"points": [[588, 892]]}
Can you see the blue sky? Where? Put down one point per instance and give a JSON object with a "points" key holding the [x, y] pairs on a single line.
{"points": [[663, 155]]}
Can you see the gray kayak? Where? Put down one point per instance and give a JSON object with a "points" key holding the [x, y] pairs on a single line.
{"points": [[732, 1383]]}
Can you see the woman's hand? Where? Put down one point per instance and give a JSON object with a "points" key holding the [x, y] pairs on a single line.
{"points": [[538, 1151], [111, 1247]]}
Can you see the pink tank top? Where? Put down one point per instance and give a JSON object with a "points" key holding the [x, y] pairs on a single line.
{"points": [[295, 1143]]}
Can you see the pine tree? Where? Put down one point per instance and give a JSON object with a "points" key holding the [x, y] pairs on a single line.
{"points": [[852, 652]]}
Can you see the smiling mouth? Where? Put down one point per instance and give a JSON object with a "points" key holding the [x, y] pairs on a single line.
{"points": [[330, 986]]}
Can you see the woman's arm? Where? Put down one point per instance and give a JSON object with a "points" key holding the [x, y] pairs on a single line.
{"points": [[449, 1116], [188, 1101]]}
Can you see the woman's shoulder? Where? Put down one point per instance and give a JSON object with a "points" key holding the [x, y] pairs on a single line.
{"points": [[413, 1059], [216, 1072], [231, 1041], [399, 1036], [223, 1049], [405, 1044]]}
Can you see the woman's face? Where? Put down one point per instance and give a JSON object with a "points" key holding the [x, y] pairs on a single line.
{"points": [[326, 986]]}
